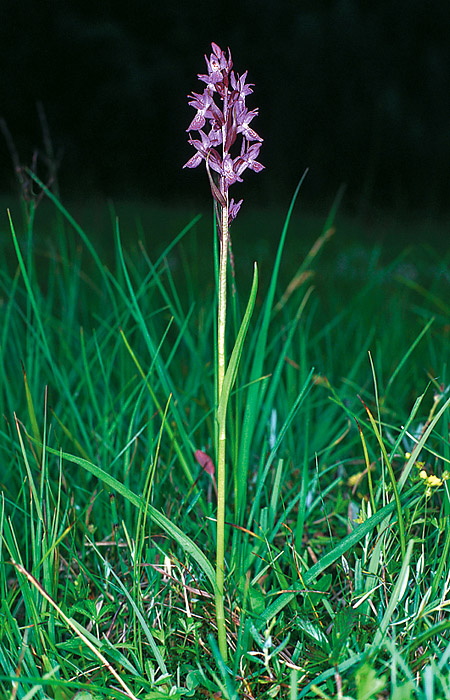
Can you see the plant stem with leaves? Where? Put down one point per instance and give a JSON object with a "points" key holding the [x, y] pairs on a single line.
{"points": [[227, 120], [221, 428]]}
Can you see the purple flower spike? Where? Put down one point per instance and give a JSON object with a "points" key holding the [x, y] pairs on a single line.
{"points": [[222, 106]]}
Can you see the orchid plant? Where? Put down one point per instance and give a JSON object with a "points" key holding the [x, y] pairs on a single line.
{"points": [[221, 109]]}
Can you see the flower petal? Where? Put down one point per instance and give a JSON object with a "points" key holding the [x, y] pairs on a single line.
{"points": [[256, 167], [197, 123], [194, 161]]}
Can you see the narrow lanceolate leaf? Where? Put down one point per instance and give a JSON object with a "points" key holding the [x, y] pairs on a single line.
{"points": [[233, 365], [178, 535]]}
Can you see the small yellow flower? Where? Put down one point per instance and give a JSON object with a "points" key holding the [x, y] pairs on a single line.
{"points": [[355, 479], [434, 480], [431, 481]]}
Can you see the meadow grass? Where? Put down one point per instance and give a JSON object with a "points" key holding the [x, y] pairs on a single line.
{"points": [[337, 511]]}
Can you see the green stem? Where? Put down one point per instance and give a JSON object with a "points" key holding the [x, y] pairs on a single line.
{"points": [[221, 454]]}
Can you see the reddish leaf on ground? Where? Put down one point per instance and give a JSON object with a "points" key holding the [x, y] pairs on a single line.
{"points": [[205, 462]]}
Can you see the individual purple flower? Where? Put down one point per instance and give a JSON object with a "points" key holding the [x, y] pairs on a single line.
{"points": [[222, 106], [240, 87], [247, 159], [234, 208], [218, 68], [204, 152], [202, 148], [229, 171], [201, 103], [244, 119]]}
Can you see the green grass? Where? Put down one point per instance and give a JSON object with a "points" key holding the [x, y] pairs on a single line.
{"points": [[337, 561]]}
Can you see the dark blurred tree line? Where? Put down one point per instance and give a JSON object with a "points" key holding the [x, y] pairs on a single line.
{"points": [[356, 91]]}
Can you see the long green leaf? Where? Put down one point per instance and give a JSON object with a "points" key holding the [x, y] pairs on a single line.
{"points": [[183, 540], [230, 374]]}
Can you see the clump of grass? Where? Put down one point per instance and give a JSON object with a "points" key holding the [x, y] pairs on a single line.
{"points": [[107, 511]]}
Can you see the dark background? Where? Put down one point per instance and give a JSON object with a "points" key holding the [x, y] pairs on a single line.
{"points": [[358, 92]]}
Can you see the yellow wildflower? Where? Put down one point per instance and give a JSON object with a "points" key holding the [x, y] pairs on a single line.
{"points": [[434, 480]]}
